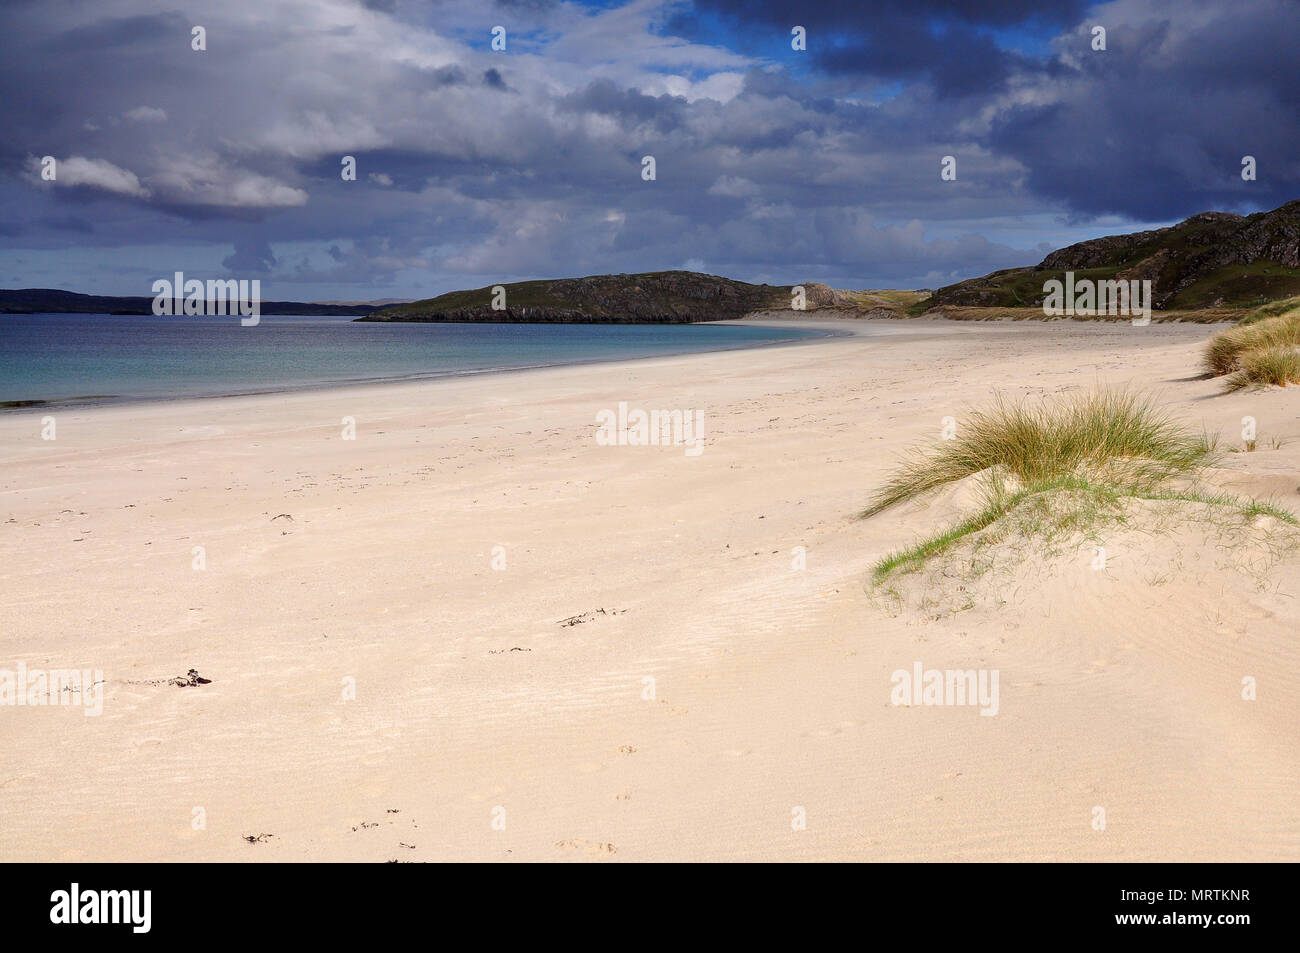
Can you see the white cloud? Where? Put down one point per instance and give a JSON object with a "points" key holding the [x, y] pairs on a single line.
{"points": [[208, 180], [92, 173], [145, 114]]}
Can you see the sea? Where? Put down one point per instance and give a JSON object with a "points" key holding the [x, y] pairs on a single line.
{"points": [[91, 358]]}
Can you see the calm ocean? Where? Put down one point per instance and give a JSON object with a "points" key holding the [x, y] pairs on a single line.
{"points": [[53, 357]]}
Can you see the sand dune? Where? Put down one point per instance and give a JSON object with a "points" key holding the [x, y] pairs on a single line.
{"points": [[508, 713]]}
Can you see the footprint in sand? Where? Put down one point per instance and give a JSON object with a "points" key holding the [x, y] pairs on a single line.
{"points": [[592, 850], [674, 709]]}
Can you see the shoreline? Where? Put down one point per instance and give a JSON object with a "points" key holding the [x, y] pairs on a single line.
{"points": [[78, 402], [823, 327]]}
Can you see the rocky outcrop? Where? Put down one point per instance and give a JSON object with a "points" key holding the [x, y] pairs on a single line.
{"points": [[1210, 259]]}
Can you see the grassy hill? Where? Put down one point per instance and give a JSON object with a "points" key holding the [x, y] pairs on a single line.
{"points": [[1211, 260], [1215, 266], [662, 297]]}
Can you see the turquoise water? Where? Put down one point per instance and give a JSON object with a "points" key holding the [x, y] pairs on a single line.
{"points": [[57, 357]]}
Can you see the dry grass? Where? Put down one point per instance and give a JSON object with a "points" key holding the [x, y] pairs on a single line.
{"points": [[1113, 437], [1005, 313], [1263, 349], [1268, 366]]}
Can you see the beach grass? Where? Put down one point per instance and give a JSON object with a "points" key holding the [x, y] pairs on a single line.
{"points": [[1262, 349], [1059, 508], [1275, 366], [1056, 468], [1281, 307], [1112, 436]]}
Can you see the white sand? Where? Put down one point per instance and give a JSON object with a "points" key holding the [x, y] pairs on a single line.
{"points": [[1119, 689]]}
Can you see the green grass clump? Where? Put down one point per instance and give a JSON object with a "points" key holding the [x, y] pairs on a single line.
{"points": [[1056, 470], [1273, 309], [1058, 509], [997, 506], [1112, 437], [1276, 366]]}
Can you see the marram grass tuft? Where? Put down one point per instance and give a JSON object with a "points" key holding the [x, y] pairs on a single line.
{"points": [[1111, 436]]}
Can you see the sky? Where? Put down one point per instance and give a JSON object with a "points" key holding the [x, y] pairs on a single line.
{"points": [[477, 166]]}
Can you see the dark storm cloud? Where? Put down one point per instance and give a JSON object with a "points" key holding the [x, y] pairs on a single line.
{"points": [[1156, 127], [606, 98], [943, 43], [1153, 128], [770, 164], [445, 76], [960, 63]]}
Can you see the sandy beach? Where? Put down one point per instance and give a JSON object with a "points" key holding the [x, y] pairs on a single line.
{"points": [[475, 633]]}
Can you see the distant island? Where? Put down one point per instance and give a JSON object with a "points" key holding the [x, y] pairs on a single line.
{"points": [[54, 301], [659, 297]]}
